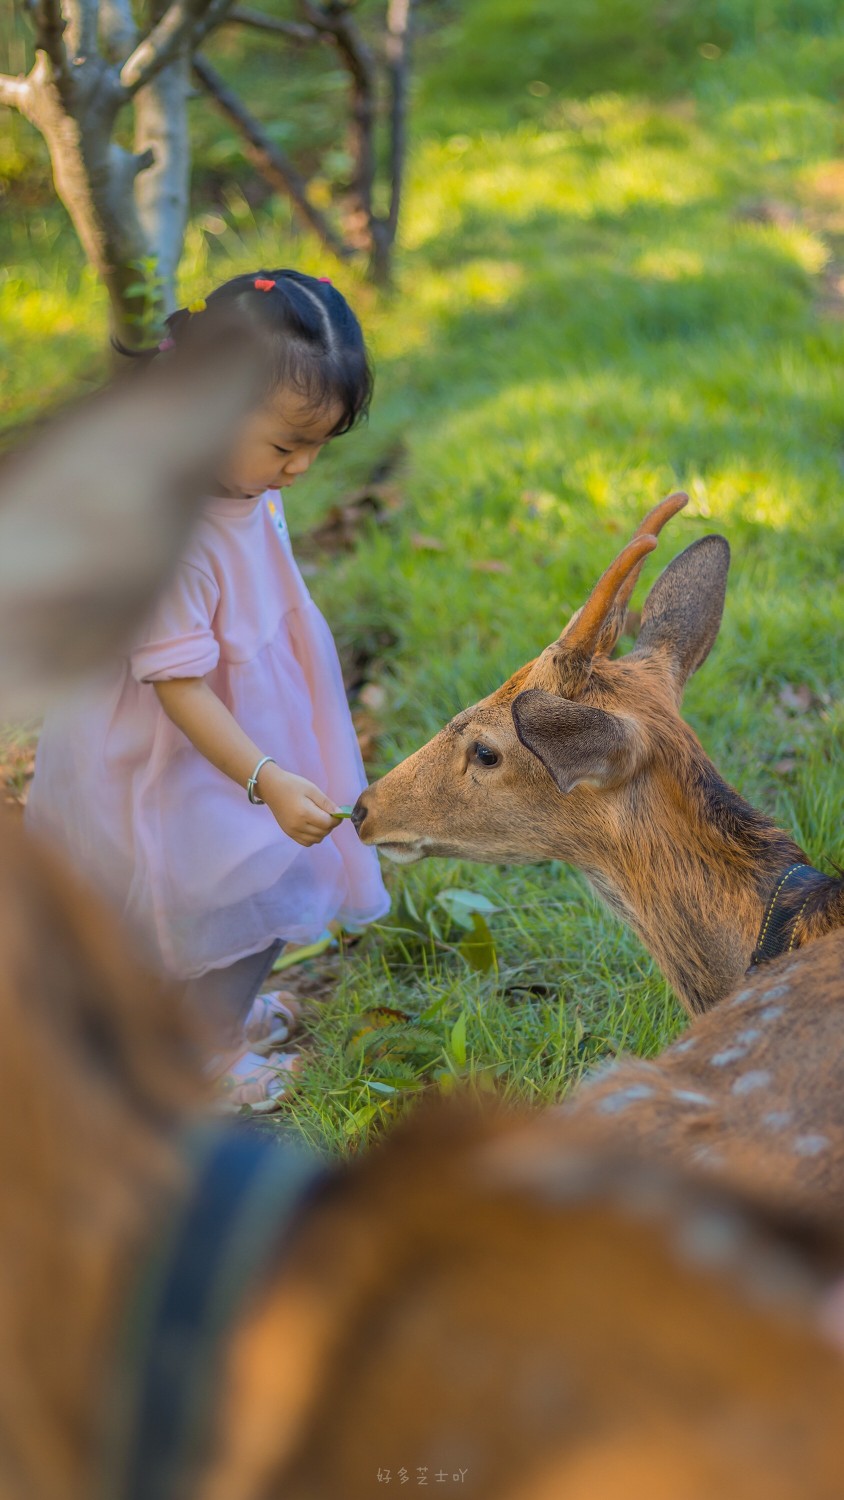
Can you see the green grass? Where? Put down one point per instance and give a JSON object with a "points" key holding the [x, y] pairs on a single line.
{"points": [[590, 310]]}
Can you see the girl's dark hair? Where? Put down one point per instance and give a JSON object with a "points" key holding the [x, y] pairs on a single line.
{"points": [[311, 338]]}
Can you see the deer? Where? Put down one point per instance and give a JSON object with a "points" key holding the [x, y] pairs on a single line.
{"points": [[523, 1306], [509, 1301], [585, 758]]}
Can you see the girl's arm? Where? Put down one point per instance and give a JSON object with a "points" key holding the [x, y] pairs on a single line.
{"points": [[299, 807]]}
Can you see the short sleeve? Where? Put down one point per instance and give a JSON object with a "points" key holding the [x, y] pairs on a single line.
{"points": [[178, 639]]}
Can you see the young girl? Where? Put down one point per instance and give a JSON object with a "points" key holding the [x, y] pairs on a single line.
{"points": [[199, 781]]}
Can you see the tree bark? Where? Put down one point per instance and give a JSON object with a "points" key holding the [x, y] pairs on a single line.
{"points": [[162, 191], [94, 177], [399, 16], [292, 31], [365, 227], [337, 23], [118, 32], [397, 54], [127, 207]]}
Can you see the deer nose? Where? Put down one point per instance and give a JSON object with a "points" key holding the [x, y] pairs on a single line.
{"points": [[359, 813]]}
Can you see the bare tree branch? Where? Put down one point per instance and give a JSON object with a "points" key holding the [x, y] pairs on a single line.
{"points": [[128, 207], [335, 20], [118, 32], [213, 17], [269, 159], [242, 15], [82, 18], [183, 22], [49, 37], [161, 192], [13, 91], [398, 63]]}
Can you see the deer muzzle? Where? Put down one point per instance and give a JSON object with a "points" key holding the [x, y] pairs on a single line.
{"points": [[403, 848]]}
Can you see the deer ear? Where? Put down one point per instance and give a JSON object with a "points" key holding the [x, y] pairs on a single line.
{"points": [[683, 610], [578, 745]]}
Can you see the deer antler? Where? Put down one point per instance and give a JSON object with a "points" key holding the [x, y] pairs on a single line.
{"points": [[651, 526], [564, 666], [594, 628], [583, 633], [616, 610]]}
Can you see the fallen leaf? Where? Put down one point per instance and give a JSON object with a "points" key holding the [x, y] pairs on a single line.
{"points": [[373, 696], [785, 766], [799, 698], [489, 565], [373, 503], [767, 211], [426, 543]]}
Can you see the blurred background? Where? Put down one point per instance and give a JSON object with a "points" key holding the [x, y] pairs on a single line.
{"points": [[617, 269]]}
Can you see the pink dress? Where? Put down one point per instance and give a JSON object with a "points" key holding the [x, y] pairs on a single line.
{"points": [[205, 877]]}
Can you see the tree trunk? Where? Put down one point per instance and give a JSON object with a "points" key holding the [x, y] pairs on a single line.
{"points": [[162, 190], [129, 208], [95, 180]]}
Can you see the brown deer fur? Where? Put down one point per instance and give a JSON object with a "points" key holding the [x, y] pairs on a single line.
{"points": [[97, 1069], [556, 1320], [480, 1292], [545, 1301], [594, 766]]}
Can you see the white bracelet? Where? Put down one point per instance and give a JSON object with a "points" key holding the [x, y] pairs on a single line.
{"points": [[252, 783]]}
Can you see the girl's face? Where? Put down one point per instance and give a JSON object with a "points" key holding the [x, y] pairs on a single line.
{"points": [[277, 444]]}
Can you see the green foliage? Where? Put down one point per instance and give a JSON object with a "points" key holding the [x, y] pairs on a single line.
{"points": [[146, 318], [609, 286]]}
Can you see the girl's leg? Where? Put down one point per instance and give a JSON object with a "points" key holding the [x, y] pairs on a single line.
{"points": [[222, 998]]}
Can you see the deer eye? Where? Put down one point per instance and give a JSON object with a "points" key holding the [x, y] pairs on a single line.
{"points": [[485, 755]]}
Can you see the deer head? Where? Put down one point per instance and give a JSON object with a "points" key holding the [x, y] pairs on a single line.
{"points": [[542, 768], [584, 758]]}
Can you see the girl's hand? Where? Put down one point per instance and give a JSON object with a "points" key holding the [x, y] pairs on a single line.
{"points": [[300, 809]]}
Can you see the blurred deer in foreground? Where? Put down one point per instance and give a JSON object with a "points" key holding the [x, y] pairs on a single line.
{"points": [[552, 1311], [530, 1307], [586, 759]]}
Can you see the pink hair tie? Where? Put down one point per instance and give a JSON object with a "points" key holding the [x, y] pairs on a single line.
{"points": [[165, 345], [261, 284]]}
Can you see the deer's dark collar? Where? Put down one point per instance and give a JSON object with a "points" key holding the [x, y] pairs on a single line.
{"points": [[247, 1190], [792, 889]]}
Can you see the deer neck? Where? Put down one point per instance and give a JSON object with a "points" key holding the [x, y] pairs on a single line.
{"points": [[695, 879]]}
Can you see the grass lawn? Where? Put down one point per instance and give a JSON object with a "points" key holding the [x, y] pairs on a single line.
{"points": [[618, 276]]}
